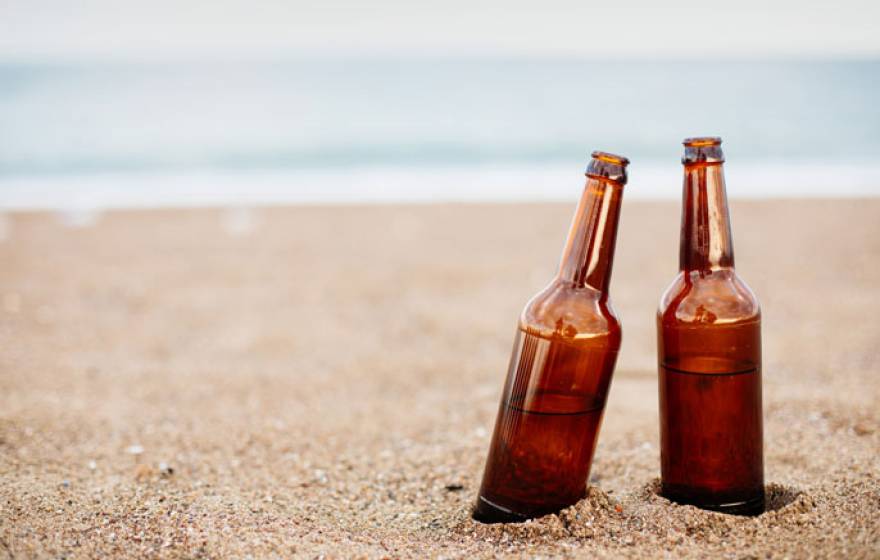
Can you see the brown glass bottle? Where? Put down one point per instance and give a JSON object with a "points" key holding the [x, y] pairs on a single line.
{"points": [[563, 357], [709, 346]]}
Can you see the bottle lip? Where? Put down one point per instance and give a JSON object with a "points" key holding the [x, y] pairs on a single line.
{"points": [[702, 150], [606, 165], [700, 141], [610, 158]]}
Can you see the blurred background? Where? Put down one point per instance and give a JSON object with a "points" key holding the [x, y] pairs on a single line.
{"points": [[130, 104]]}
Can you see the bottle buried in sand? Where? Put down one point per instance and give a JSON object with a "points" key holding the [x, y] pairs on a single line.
{"points": [[563, 358], [709, 343]]}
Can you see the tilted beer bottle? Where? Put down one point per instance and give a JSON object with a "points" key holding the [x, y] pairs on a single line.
{"points": [[709, 345], [563, 357]]}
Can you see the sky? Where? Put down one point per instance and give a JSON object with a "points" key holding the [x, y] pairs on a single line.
{"points": [[120, 29]]}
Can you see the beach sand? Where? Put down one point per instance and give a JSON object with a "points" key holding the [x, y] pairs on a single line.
{"points": [[324, 381]]}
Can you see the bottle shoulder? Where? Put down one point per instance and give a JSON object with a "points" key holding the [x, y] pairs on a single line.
{"points": [[580, 314], [719, 297]]}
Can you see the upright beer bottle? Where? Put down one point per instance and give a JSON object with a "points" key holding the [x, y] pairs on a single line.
{"points": [[709, 344], [560, 371]]}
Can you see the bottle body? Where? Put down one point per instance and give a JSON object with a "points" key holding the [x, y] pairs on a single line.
{"points": [[711, 434], [548, 422], [709, 356], [559, 374]]}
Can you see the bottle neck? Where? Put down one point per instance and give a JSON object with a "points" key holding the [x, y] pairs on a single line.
{"points": [[706, 241], [589, 251]]}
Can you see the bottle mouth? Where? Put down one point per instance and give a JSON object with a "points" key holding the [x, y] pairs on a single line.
{"points": [[606, 165], [701, 141], [702, 150], [610, 158]]}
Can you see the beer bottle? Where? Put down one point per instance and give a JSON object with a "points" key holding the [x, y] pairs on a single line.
{"points": [[563, 357], [709, 346]]}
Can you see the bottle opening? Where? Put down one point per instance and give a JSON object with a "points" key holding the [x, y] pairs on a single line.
{"points": [[700, 141], [702, 150], [605, 165], [610, 158]]}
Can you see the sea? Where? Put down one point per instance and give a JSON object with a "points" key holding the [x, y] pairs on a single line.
{"points": [[106, 134]]}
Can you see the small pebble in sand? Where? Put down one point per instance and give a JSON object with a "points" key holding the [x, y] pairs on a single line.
{"points": [[862, 429], [134, 449], [143, 472]]}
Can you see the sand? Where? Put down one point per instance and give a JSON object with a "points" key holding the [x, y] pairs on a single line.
{"points": [[313, 382]]}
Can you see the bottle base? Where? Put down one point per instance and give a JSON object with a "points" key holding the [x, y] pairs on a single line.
{"points": [[487, 511], [752, 507]]}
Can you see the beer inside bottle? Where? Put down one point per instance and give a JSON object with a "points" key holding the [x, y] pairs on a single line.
{"points": [[709, 346], [563, 357]]}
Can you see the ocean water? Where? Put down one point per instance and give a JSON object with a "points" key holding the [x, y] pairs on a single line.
{"points": [[332, 130]]}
